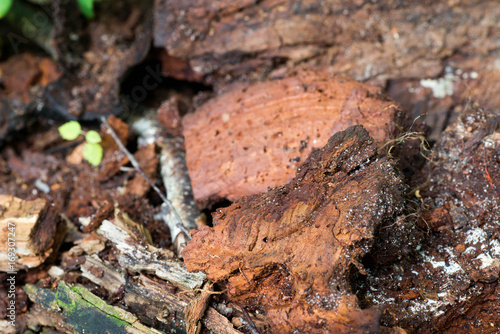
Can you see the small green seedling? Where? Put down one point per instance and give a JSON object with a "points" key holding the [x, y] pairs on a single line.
{"points": [[92, 151], [4, 7], [86, 7]]}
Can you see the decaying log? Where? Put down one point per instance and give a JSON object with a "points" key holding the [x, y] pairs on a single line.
{"points": [[451, 284], [28, 230], [252, 138], [364, 40], [290, 251]]}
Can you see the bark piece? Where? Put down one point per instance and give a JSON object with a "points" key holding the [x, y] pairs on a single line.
{"points": [[290, 251], [138, 255], [252, 138], [196, 309], [20, 225], [379, 40], [76, 306], [22, 78], [91, 86], [155, 301]]}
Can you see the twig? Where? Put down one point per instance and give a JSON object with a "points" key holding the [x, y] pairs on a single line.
{"points": [[134, 163], [173, 169], [249, 323], [131, 158]]}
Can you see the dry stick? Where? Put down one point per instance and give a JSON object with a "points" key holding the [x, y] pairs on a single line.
{"points": [[249, 323], [134, 163], [174, 173]]}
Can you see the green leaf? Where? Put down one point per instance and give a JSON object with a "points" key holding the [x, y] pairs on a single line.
{"points": [[87, 8], [92, 153], [70, 130], [4, 7], [93, 137]]}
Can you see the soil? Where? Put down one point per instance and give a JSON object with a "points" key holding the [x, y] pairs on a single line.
{"points": [[314, 167]]}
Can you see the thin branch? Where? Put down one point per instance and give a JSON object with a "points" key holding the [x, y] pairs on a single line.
{"points": [[134, 163]]}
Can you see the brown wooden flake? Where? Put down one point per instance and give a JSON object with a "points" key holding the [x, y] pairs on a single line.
{"points": [[252, 138], [291, 250]]}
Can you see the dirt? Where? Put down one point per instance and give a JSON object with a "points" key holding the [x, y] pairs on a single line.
{"points": [[456, 266], [331, 205]]}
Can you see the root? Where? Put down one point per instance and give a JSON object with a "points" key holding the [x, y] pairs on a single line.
{"points": [[425, 148]]}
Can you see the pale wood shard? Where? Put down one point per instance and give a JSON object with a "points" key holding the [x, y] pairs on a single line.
{"points": [[251, 138], [290, 251], [19, 221], [137, 257], [110, 278]]}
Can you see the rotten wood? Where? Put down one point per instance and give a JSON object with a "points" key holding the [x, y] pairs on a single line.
{"points": [[137, 255], [291, 251], [251, 138], [158, 302], [75, 306], [377, 42], [20, 225]]}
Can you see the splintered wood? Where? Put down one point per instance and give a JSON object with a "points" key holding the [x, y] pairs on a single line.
{"points": [[252, 138], [290, 251], [19, 225]]}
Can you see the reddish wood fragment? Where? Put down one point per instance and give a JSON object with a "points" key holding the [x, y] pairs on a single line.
{"points": [[178, 68], [169, 116], [20, 73], [195, 310], [290, 251], [103, 213], [249, 139]]}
